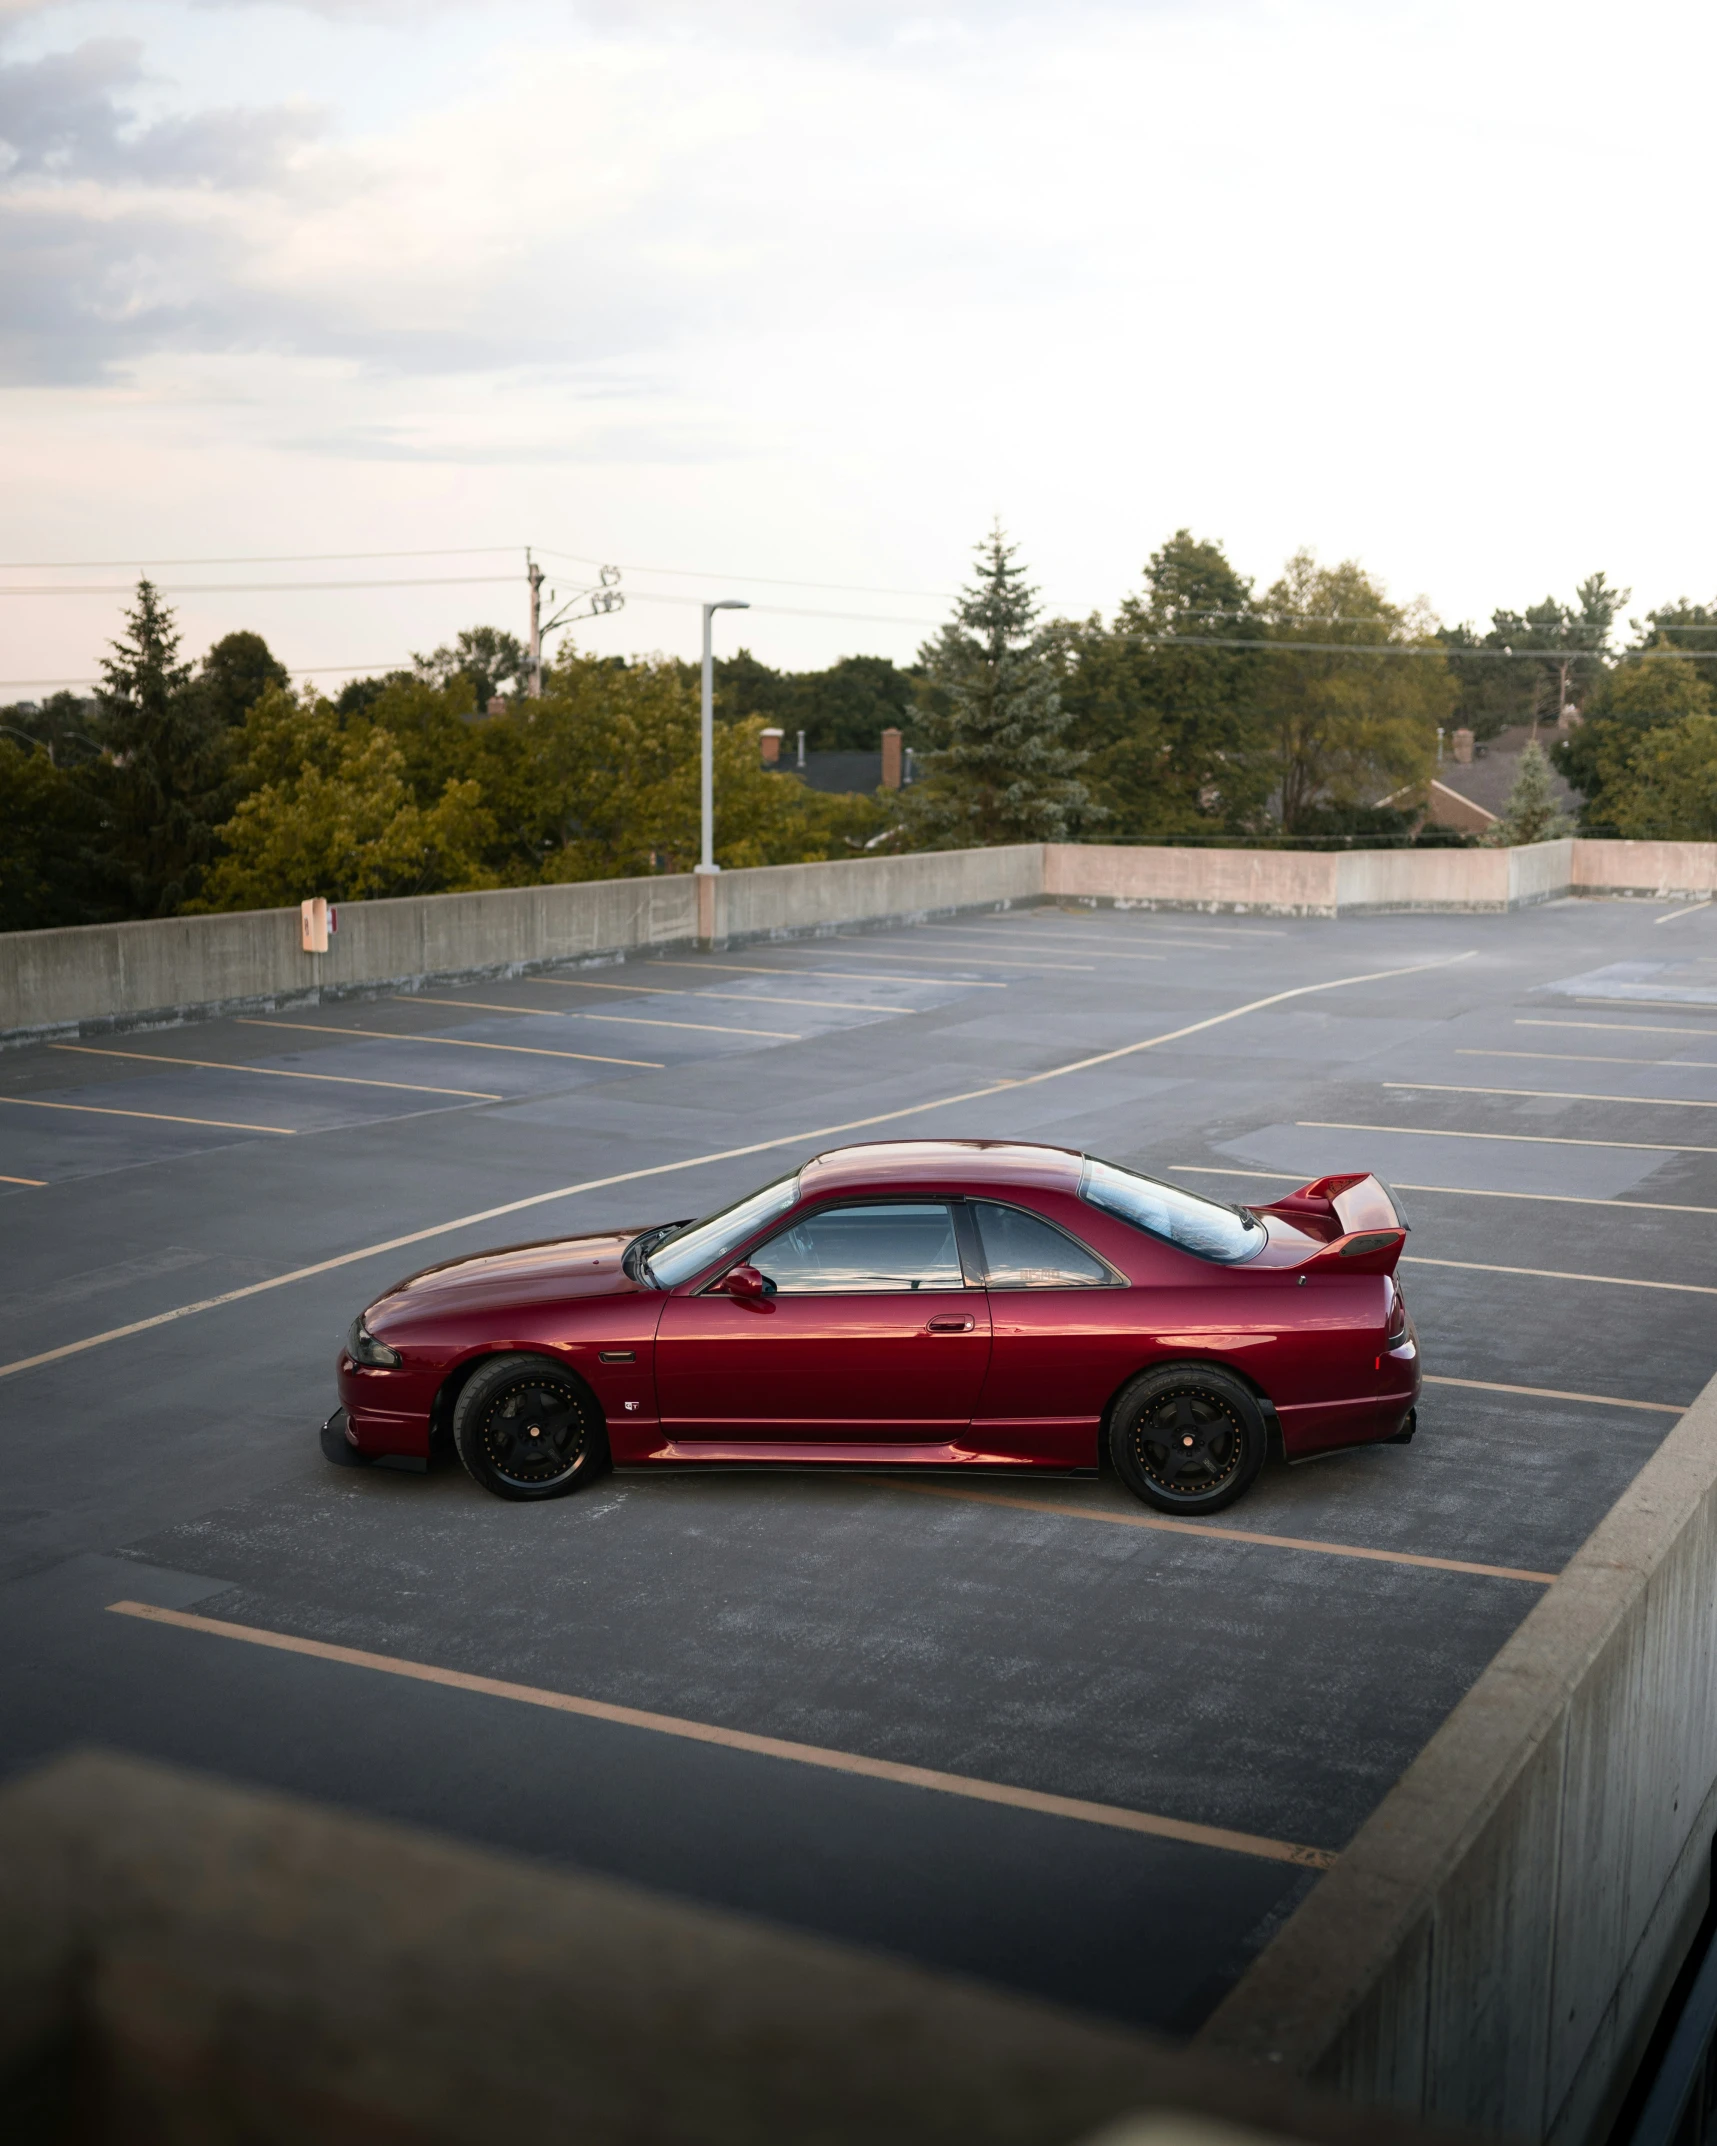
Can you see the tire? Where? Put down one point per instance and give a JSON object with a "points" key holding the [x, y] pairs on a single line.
{"points": [[510, 1403], [1187, 1438]]}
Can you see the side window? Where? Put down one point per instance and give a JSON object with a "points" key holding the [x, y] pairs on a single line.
{"points": [[891, 1247], [1023, 1251]]}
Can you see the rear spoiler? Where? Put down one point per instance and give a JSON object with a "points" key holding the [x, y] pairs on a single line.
{"points": [[1358, 1216]]}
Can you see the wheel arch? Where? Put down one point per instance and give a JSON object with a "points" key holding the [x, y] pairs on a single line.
{"points": [[442, 1408], [1266, 1407]]}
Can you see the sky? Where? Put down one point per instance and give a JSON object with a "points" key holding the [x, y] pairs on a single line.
{"points": [[789, 302]]}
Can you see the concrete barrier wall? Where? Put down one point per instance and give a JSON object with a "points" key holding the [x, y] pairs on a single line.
{"points": [[1272, 882], [785, 900], [185, 1961], [112, 975], [1496, 1943], [1660, 869]]}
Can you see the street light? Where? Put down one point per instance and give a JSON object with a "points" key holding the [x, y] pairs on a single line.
{"points": [[706, 797]]}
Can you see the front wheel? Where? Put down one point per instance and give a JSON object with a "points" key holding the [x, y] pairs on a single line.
{"points": [[526, 1428], [1188, 1438]]}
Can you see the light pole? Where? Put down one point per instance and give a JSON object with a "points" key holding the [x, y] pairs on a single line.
{"points": [[706, 792]]}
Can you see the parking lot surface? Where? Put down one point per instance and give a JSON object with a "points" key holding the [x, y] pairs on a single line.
{"points": [[1146, 1739]]}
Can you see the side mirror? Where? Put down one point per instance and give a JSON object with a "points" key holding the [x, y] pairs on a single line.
{"points": [[746, 1282]]}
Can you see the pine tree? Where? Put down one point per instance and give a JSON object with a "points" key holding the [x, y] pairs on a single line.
{"points": [[1532, 813], [161, 785], [996, 770]]}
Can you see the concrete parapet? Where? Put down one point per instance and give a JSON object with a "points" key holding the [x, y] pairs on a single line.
{"points": [[185, 1961], [1494, 1946], [1270, 882], [790, 900], [1662, 870]]}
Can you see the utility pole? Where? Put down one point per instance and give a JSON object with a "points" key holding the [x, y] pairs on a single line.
{"points": [[535, 574], [598, 602], [706, 867]]}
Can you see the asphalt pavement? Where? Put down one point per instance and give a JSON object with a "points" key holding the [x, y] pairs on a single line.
{"points": [[1147, 1741]]}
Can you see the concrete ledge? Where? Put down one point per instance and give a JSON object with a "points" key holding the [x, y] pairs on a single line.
{"points": [[185, 1961], [1494, 1945], [1664, 871]]}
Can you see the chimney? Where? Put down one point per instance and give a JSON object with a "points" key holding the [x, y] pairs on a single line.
{"points": [[497, 706], [1463, 748], [771, 743], [891, 759]]}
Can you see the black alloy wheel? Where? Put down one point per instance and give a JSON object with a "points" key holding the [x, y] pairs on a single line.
{"points": [[527, 1428], [1188, 1438]]}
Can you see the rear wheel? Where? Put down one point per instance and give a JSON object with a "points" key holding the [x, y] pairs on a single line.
{"points": [[526, 1428], [1187, 1438]]}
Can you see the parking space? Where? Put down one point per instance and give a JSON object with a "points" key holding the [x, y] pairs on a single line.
{"points": [[1030, 1732]]}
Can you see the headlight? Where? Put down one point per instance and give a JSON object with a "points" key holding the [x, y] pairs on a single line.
{"points": [[363, 1348]]}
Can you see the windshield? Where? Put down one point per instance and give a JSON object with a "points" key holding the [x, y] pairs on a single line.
{"points": [[719, 1236], [1205, 1227]]}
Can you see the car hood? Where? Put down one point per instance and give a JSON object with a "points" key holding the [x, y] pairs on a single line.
{"points": [[558, 1267]]}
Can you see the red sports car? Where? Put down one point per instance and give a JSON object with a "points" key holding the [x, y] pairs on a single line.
{"points": [[916, 1303]]}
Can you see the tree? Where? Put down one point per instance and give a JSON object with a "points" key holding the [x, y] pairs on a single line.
{"points": [[1666, 786], [328, 810], [43, 876], [1349, 717], [487, 657], [1604, 757], [997, 770], [234, 675], [160, 790], [1532, 813], [63, 725], [1165, 708]]}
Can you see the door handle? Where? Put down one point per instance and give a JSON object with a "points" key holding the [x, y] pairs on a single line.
{"points": [[951, 1322]]}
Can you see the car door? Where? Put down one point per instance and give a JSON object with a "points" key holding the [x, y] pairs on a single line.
{"points": [[1063, 1334], [873, 1334]]}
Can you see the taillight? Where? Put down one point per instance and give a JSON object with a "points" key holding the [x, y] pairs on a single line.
{"points": [[1397, 1316]]}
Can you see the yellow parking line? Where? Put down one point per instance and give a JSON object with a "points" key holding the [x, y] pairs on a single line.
{"points": [[774, 1747], [973, 961], [1565, 1095], [839, 976], [1220, 1534], [1542, 1140], [1555, 1393], [1627, 1028], [630, 1020], [218, 1065], [162, 1117], [455, 1043], [738, 998], [1464, 1192], [1595, 1058], [38, 1181], [1551, 1274]]}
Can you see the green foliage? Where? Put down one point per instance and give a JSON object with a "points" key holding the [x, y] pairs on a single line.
{"points": [[160, 790], [485, 657], [1642, 694], [624, 743], [329, 810], [1345, 725], [1532, 813], [1172, 733], [63, 725], [997, 770], [234, 676], [843, 709], [1665, 788], [43, 808]]}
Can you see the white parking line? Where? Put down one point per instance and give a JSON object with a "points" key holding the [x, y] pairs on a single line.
{"points": [[839, 976], [630, 1020], [1464, 1192], [1592, 1058], [692, 1162], [159, 1117], [1687, 912], [1552, 1274], [452, 1043], [737, 998], [221, 1065], [1565, 1095], [1550, 1140], [1627, 1028]]}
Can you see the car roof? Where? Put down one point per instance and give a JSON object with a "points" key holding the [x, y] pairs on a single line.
{"points": [[951, 1165]]}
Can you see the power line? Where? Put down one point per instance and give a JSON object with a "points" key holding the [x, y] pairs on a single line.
{"points": [[276, 558], [253, 588]]}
